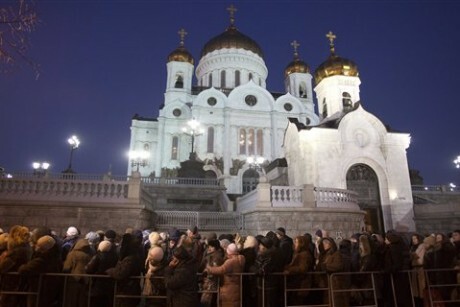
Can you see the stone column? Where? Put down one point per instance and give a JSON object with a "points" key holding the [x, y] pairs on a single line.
{"points": [[308, 196], [263, 195], [134, 186]]}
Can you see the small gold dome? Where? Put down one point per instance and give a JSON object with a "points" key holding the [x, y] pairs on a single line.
{"points": [[335, 66], [181, 55], [231, 38], [296, 66]]}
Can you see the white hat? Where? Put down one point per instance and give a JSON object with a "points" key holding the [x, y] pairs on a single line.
{"points": [[72, 231], [250, 242], [232, 249]]}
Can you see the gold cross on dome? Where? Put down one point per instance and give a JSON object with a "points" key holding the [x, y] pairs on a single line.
{"points": [[295, 45], [331, 36], [182, 33], [232, 9]]}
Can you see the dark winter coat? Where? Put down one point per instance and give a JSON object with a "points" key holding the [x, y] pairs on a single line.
{"points": [[98, 265], [286, 246], [42, 263], [128, 266], [300, 268], [182, 285]]}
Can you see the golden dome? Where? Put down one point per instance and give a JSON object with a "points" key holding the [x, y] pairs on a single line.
{"points": [[231, 38], [296, 66], [181, 55], [335, 65]]}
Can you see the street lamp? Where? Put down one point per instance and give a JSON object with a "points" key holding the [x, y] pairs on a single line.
{"points": [[193, 130], [40, 168], [74, 142], [138, 158], [256, 163], [457, 162]]}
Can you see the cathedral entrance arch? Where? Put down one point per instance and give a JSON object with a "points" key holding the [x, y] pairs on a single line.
{"points": [[250, 180], [363, 180]]}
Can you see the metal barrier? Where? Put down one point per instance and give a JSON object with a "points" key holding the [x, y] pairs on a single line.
{"points": [[337, 289]]}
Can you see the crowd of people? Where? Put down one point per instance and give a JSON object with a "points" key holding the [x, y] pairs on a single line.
{"points": [[182, 269]]}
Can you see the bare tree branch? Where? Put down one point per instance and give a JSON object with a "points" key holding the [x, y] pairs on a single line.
{"points": [[17, 21]]}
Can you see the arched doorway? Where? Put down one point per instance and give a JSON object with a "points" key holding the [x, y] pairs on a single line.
{"points": [[363, 180], [250, 180]]}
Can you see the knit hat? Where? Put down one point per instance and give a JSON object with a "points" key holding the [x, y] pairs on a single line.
{"points": [[193, 229], [250, 242], [156, 253], [72, 231], [3, 241], [154, 238], [174, 235], [92, 237], [104, 246], [181, 253], [267, 242], [45, 243], [224, 243], [214, 243], [319, 233], [110, 234], [430, 241], [232, 249], [281, 231]]}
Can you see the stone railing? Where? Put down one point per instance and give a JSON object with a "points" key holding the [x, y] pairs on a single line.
{"points": [[69, 176], [335, 198], [286, 196], [248, 201], [180, 181], [205, 221], [42, 188], [435, 188]]}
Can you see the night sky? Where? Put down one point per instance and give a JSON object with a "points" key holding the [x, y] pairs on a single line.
{"points": [[103, 61]]}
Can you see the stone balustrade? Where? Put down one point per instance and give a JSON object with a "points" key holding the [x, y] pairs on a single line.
{"points": [[180, 181], [286, 196], [43, 188], [335, 198]]}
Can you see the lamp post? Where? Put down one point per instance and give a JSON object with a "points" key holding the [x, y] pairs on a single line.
{"points": [[256, 163], [40, 168], [457, 162], [138, 158], [74, 142], [193, 129]]}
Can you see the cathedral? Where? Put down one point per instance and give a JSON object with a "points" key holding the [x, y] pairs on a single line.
{"points": [[233, 124]]}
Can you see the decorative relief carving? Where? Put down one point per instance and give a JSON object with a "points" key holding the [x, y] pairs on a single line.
{"points": [[217, 162], [361, 138], [169, 172], [236, 166]]}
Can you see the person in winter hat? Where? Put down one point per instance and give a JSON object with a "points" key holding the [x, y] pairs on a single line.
{"points": [[72, 236], [154, 267]]}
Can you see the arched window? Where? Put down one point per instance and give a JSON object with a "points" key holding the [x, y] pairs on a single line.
{"points": [[260, 142], [211, 139], [250, 76], [324, 113], [250, 180], [237, 78], [251, 142], [179, 82], [174, 147], [302, 91], [210, 80], [222, 79], [346, 101], [242, 142]]}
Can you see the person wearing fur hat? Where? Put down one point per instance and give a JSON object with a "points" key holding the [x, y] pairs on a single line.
{"points": [[268, 261], [45, 259], [214, 256], [128, 265], [250, 248], [153, 283], [102, 288], [329, 261], [75, 263], [71, 237], [18, 253], [302, 263], [181, 280], [230, 288]]}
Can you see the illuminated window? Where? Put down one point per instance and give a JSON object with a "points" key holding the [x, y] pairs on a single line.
{"points": [[251, 142], [210, 139], [260, 142], [174, 147], [242, 141]]}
